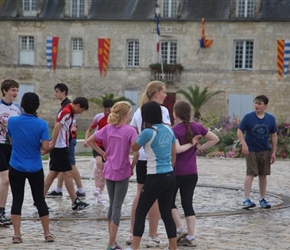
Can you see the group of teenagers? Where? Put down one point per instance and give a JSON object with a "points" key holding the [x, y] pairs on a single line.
{"points": [[164, 157]]}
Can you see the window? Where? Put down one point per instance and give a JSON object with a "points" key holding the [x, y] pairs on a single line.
{"points": [[169, 52], [29, 7], [245, 8], [26, 55], [169, 8], [77, 52], [244, 51], [133, 53], [78, 8]]}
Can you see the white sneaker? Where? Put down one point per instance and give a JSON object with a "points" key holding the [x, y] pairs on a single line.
{"points": [[129, 239], [156, 242], [101, 200], [96, 192]]}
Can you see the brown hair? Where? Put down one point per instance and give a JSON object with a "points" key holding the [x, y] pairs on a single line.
{"points": [[151, 89], [182, 110], [8, 84]]}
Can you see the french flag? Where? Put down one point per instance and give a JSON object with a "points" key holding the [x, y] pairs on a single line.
{"points": [[158, 34]]}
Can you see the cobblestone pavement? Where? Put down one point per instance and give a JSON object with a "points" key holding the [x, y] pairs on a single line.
{"points": [[221, 223]]}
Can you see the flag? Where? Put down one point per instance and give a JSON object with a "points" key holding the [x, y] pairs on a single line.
{"points": [[54, 51], [158, 34], [103, 54], [203, 42], [48, 52], [283, 54], [286, 56]]}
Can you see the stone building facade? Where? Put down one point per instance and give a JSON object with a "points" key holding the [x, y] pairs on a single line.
{"points": [[242, 60]]}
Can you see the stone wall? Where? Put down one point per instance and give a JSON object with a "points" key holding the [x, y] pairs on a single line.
{"points": [[212, 67]]}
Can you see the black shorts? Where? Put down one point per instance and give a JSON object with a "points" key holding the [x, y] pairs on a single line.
{"points": [[95, 153], [59, 160], [141, 171], [5, 154]]}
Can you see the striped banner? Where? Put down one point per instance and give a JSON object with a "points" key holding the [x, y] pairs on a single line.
{"points": [[48, 52], [286, 56], [103, 54]]}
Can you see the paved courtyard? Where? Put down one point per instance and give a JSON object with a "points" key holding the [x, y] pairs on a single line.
{"points": [[221, 223]]}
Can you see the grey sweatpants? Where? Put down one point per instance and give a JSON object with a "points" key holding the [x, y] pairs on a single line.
{"points": [[117, 191]]}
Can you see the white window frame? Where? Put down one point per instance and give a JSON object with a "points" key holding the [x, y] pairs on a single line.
{"points": [[77, 48], [78, 8], [26, 50], [29, 7], [133, 49], [243, 54], [169, 8], [169, 51], [245, 8]]}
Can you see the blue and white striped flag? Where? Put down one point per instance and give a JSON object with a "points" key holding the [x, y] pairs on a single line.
{"points": [[48, 52], [286, 56]]}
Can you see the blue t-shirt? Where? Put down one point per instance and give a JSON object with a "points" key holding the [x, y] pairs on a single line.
{"points": [[157, 142], [27, 132], [257, 131]]}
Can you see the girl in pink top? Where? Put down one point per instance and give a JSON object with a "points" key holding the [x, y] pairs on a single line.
{"points": [[117, 138]]}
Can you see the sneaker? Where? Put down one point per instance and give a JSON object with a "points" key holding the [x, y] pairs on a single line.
{"points": [[96, 192], [54, 194], [264, 204], [79, 205], [187, 243], [4, 221], [156, 242], [129, 239], [80, 194], [128, 248], [114, 248], [181, 234], [248, 204], [101, 200]]}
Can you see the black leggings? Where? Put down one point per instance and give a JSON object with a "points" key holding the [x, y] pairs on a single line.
{"points": [[161, 187], [186, 185], [17, 184]]}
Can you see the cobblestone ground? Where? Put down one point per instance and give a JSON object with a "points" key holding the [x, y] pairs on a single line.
{"points": [[221, 223]]}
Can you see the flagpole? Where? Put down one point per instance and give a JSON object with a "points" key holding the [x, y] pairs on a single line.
{"points": [[159, 54]]}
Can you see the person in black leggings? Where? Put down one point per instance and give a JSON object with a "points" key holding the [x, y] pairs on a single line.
{"points": [[159, 144], [26, 163]]}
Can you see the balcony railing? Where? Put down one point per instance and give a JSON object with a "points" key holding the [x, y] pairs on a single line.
{"points": [[166, 76]]}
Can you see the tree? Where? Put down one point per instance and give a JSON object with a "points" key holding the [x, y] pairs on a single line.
{"points": [[111, 96], [197, 98]]}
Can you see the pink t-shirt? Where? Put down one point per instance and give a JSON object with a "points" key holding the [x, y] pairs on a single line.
{"points": [[117, 141]]}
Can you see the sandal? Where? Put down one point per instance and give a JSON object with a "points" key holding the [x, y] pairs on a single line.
{"points": [[16, 239], [49, 238]]}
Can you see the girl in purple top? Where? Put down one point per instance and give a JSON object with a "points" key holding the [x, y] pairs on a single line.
{"points": [[117, 138], [185, 169]]}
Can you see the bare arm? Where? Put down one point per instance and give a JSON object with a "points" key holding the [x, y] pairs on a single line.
{"points": [[173, 154], [134, 160], [245, 149], [274, 139], [92, 143], [87, 135], [185, 147], [135, 147], [212, 139], [45, 146], [54, 136]]}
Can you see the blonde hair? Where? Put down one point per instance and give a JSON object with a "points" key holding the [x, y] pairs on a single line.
{"points": [[118, 112], [151, 89]]}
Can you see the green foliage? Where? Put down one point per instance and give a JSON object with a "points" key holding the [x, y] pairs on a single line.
{"points": [[229, 146], [197, 98], [111, 96]]}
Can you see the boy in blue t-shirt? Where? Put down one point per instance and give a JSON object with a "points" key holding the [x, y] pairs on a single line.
{"points": [[257, 127]]}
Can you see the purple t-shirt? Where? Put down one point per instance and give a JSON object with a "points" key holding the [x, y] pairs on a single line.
{"points": [[117, 141], [186, 161]]}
